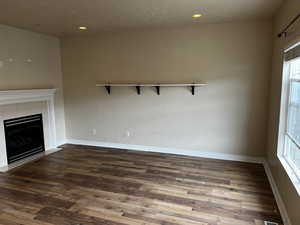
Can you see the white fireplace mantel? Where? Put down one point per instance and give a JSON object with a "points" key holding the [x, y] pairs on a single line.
{"points": [[21, 96], [26, 96]]}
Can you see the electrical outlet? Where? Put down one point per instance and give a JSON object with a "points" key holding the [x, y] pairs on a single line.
{"points": [[128, 133], [94, 131]]}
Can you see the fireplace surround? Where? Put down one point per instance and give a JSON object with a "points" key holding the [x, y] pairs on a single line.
{"points": [[22, 103]]}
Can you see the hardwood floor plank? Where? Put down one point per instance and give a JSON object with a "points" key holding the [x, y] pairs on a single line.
{"points": [[64, 217], [28, 198], [89, 185]]}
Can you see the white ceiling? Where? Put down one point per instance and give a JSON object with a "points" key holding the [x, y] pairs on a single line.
{"points": [[62, 17]]}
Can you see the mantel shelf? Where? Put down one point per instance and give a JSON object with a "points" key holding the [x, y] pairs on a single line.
{"points": [[157, 86]]}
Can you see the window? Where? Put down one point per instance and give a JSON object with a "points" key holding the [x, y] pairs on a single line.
{"points": [[292, 134], [289, 130]]}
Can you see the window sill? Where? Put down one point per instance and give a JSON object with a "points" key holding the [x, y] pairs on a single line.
{"points": [[292, 175]]}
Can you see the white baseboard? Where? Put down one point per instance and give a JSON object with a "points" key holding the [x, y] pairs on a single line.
{"points": [[61, 142], [279, 201], [50, 151], [176, 151], [186, 152]]}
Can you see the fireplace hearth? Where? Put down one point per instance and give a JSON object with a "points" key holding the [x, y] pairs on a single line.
{"points": [[24, 137]]}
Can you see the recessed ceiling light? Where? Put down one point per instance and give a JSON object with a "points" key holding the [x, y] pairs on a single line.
{"points": [[197, 16], [82, 28]]}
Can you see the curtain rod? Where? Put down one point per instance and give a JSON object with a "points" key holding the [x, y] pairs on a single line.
{"points": [[284, 31]]}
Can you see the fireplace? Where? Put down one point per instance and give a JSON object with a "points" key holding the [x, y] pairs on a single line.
{"points": [[24, 137], [16, 104]]}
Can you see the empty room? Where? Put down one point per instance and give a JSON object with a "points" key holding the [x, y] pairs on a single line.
{"points": [[150, 112]]}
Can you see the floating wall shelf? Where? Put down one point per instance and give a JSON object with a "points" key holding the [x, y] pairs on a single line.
{"points": [[157, 86]]}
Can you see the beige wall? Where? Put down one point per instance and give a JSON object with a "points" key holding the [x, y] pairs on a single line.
{"points": [[17, 48], [227, 116], [289, 9]]}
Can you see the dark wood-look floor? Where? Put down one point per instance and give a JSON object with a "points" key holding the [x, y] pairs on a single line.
{"points": [[89, 186]]}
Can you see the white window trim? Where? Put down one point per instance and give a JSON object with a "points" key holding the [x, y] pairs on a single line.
{"points": [[292, 171]]}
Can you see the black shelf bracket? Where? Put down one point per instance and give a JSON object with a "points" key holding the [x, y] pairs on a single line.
{"points": [[157, 90], [193, 89], [107, 87], [138, 89]]}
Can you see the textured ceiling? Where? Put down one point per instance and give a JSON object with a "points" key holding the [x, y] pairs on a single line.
{"points": [[62, 17]]}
